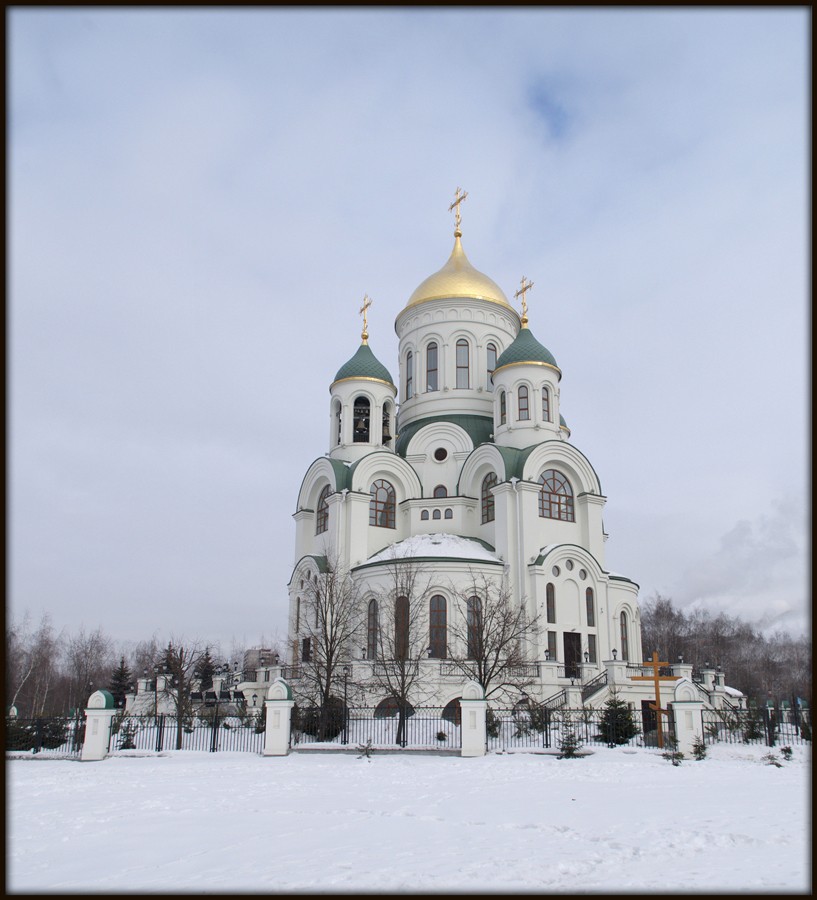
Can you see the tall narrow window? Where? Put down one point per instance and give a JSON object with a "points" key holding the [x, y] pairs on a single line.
{"points": [[474, 627], [523, 402], [306, 650], [552, 654], [382, 504], [338, 421], [591, 611], [438, 626], [362, 410], [545, 404], [409, 375], [322, 515], [371, 631], [401, 628], [462, 363], [432, 383], [298, 614], [591, 647], [556, 497], [625, 643], [386, 423], [503, 408], [550, 602], [488, 509], [491, 364], [440, 491]]}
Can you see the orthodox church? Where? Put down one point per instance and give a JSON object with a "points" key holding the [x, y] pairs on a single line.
{"points": [[463, 466]]}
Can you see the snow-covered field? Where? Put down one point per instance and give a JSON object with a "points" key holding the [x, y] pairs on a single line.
{"points": [[618, 820]]}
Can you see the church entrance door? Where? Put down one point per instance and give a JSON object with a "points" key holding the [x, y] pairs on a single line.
{"points": [[573, 654]]}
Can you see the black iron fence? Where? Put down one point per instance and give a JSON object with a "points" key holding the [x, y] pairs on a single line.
{"points": [[55, 736], [421, 728], [210, 733], [757, 725], [526, 728]]}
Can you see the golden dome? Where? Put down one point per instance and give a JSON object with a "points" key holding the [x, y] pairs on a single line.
{"points": [[458, 278]]}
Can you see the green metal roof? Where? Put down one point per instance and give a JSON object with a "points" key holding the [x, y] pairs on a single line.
{"points": [[525, 348], [478, 428], [364, 364]]}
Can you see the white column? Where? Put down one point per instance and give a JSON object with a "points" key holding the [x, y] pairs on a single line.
{"points": [[473, 705], [98, 719], [688, 723], [278, 707]]}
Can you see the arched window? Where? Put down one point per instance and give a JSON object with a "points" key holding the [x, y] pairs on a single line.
{"points": [[371, 631], [474, 627], [436, 514], [591, 611], [362, 410], [382, 504], [424, 515], [440, 491], [491, 364], [401, 628], [625, 643], [523, 404], [503, 408], [545, 404], [336, 412], [438, 625], [386, 422], [449, 514], [409, 375], [488, 508], [556, 497], [462, 363], [432, 383], [550, 601], [322, 515]]}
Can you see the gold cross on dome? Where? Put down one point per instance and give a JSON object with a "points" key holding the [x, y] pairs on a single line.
{"points": [[460, 196], [367, 302], [525, 286]]}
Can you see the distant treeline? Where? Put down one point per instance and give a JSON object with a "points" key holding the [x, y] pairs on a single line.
{"points": [[776, 667]]}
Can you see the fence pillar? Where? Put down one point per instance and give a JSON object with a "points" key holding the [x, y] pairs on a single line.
{"points": [[473, 706], [98, 719], [278, 707], [687, 708], [616, 671]]}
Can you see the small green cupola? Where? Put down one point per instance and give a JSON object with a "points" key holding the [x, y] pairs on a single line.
{"points": [[526, 350], [364, 364]]}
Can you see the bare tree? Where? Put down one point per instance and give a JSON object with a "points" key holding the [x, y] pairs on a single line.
{"points": [[32, 666], [490, 631], [89, 661], [330, 620], [397, 626], [178, 668]]}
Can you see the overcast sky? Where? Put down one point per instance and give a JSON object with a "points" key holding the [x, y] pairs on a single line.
{"points": [[199, 200]]}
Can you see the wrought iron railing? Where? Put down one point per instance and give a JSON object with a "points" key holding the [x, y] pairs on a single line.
{"points": [[421, 728], [54, 736], [594, 686]]}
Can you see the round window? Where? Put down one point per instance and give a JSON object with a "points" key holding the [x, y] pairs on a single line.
{"points": [[582, 574], [569, 565], [556, 570], [440, 454]]}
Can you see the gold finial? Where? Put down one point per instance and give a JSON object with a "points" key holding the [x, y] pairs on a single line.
{"points": [[460, 195], [524, 287], [367, 302]]}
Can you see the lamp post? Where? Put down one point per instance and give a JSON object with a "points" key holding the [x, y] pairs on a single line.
{"points": [[615, 654], [346, 673]]}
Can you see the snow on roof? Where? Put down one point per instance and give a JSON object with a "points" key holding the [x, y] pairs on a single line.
{"points": [[439, 544], [733, 692]]}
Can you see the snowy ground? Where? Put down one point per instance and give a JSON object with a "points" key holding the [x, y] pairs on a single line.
{"points": [[618, 820]]}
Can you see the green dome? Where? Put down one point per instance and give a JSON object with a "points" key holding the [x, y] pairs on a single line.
{"points": [[562, 421], [364, 364], [525, 349]]}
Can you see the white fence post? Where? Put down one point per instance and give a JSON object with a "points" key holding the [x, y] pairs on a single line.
{"points": [[98, 719], [278, 707], [687, 707], [473, 706]]}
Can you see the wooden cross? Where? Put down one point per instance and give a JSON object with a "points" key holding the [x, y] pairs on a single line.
{"points": [[460, 195], [655, 664], [367, 302], [525, 287]]}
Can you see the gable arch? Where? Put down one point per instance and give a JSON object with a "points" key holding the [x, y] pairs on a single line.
{"points": [[322, 472], [389, 467], [456, 439], [486, 458], [564, 458]]}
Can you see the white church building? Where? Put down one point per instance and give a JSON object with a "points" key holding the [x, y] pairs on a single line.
{"points": [[463, 468]]}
